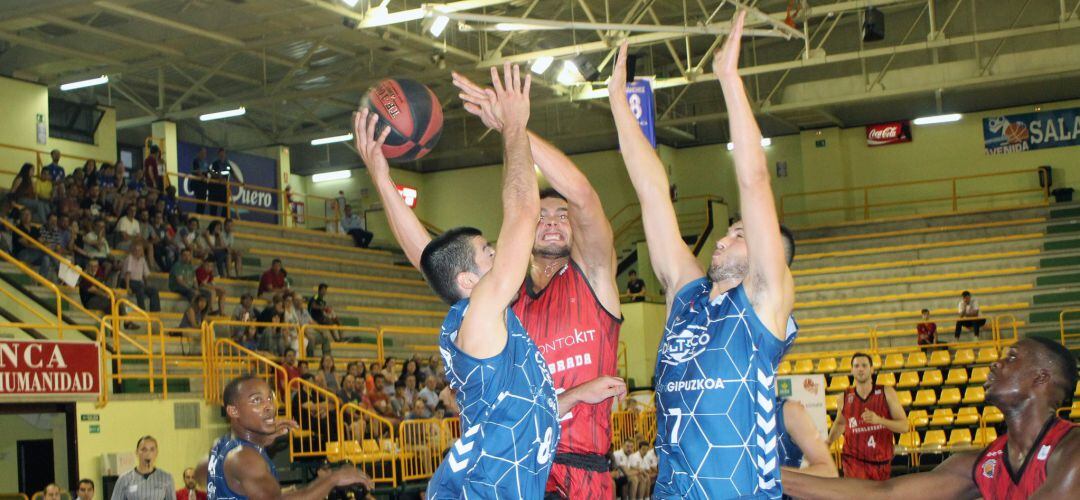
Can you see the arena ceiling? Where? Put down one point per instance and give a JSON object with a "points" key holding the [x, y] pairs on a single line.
{"points": [[301, 66]]}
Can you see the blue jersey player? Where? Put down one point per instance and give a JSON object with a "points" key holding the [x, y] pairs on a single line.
{"points": [[726, 329], [509, 410], [239, 468]]}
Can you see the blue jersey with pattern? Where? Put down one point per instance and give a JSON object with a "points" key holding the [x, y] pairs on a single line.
{"points": [[217, 488], [716, 398], [509, 418], [790, 453]]}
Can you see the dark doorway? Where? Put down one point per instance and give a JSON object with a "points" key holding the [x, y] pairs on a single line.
{"points": [[36, 466]]}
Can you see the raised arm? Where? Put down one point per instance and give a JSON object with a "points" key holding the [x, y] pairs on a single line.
{"points": [[671, 259], [407, 229], [806, 437], [483, 331], [768, 281], [950, 480]]}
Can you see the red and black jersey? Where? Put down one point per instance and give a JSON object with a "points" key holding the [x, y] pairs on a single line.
{"points": [[870, 443], [580, 341], [995, 477]]}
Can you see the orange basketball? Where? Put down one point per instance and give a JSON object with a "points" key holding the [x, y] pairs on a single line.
{"points": [[1016, 133]]}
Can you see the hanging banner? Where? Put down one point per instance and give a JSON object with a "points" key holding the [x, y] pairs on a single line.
{"points": [[884, 134], [640, 95], [46, 370], [252, 203], [1030, 131]]}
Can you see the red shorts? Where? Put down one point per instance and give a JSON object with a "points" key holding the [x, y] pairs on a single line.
{"points": [[573, 483], [861, 469]]}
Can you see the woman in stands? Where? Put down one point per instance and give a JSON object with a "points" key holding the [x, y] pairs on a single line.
{"points": [[195, 313], [411, 368], [326, 366]]}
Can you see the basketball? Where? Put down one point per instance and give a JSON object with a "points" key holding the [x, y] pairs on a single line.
{"points": [[413, 114], [1016, 132]]}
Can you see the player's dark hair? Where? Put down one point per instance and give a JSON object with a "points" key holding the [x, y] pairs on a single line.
{"points": [[925, 311], [965, 293], [551, 193], [232, 389], [862, 355], [787, 239], [1064, 362], [448, 255]]}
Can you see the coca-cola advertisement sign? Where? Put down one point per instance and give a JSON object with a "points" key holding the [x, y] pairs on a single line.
{"points": [[888, 133]]}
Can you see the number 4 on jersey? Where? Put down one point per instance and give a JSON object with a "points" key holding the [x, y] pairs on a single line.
{"points": [[870, 442]]}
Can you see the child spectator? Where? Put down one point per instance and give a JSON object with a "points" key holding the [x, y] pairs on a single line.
{"points": [[204, 278], [927, 331]]}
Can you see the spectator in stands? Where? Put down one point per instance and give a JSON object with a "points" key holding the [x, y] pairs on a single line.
{"points": [[195, 313], [645, 461], [631, 476], [235, 257], [89, 172], [927, 331], [43, 193], [189, 491], [92, 203], [292, 369], [411, 389], [313, 412], [136, 276], [137, 183], [55, 171], [153, 166], [23, 248], [145, 481], [350, 390], [418, 410], [23, 192], [52, 492], [400, 402], [448, 399], [270, 337], [324, 314], [429, 394], [182, 278], [215, 244], [244, 311], [96, 241], [204, 280], [197, 182], [108, 180], [218, 190], [354, 226], [86, 489], [303, 366], [411, 367], [92, 297], [296, 313], [192, 238], [51, 236], [172, 207], [390, 369], [127, 229], [379, 381], [968, 308], [329, 372], [273, 280], [166, 251], [635, 287]]}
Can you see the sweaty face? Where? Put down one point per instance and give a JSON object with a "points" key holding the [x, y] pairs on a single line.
{"points": [[1010, 377], [729, 260], [553, 233], [861, 369], [254, 408]]}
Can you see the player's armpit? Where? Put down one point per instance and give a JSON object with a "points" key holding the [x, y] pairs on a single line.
{"points": [[950, 480], [1062, 472]]}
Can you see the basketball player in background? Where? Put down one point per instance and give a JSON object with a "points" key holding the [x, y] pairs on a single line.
{"points": [[726, 330], [1036, 459], [569, 303], [238, 466], [867, 416]]}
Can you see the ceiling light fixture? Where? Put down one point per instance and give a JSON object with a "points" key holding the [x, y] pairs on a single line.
{"points": [[350, 3], [765, 142], [931, 120], [438, 25], [331, 140], [85, 83], [541, 64], [223, 114], [332, 176], [569, 74]]}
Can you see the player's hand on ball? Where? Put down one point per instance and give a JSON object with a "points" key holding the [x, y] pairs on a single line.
{"points": [[726, 59], [512, 96], [368, 144], [351, 475], [479, 101], [602, 388]]}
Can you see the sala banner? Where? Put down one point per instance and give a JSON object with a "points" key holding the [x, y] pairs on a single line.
{"points": [[39, 370], [1030, 131]]}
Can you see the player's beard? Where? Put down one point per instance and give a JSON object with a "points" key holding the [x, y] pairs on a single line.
{"points": [[728, 271], [552, 251]]}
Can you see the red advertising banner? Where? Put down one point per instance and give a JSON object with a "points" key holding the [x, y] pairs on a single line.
{"points": [[38, 370], [409, 194], [888, 133]]}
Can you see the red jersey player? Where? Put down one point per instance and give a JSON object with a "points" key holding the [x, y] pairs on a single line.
{"points": [[867, 415], [1036, 459]]}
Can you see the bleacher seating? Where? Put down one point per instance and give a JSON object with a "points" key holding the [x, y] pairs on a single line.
{"points": [[925, 397], [826, 365], [978, 375], [943, 417], [803, 366], [918, 418], [984, 436], [939, 358], [968, 415], [987, 355], [933, 441], [963, 357], [974, 395], [908, 380], [949, 396], [992, 415], [886, 379], [931, 378], [957, 376], [784, 368], [904, 397], [893, 362], [959, 438], [916, 359], [839, 383]]}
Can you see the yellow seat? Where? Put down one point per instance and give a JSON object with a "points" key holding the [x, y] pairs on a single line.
{"points": [[959, 438], [784, 368], [943, 417], [933, 441], [931, 378], [915, 360], [904, 397], [830, 401], [963, 357], [939, 358], [957, 376], [875, 361], [974, 395], [918, 418], [987, 355], [1074, 412], [968, 415], [838, 383], [826, 365], [992, 415], [949, 397], [844, 365], [978, 375], [802, 367], [333, 451], [886, 379], [925, 397], [1076, 392], [908, 442], [893, 362], [984, 436], [908, 380]]}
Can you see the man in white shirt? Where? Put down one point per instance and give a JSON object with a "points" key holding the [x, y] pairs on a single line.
{"points": [[428, 393], [644, 461], [623, 468], [136, 274], [127, 229], [354, 226], [968, 308]]}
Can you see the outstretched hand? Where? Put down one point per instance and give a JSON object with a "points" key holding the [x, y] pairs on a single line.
{"points": [[617, 83], [479, 101], [512, 96], [726, 58], [368, 144]]}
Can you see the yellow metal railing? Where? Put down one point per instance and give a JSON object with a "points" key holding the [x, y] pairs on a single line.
{"points": [[412, 331], [312, 329], [317, 411], [369, 442], [422, 445], [229, 360], [911, 194], [332, 214]]}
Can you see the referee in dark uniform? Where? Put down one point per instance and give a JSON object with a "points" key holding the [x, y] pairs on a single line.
{"points": [[145, 481], [220, 172], [199, 169]]}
